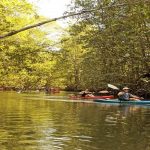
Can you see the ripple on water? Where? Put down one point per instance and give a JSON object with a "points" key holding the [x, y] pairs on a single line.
{"points": [[110, 120], [37, 124]]}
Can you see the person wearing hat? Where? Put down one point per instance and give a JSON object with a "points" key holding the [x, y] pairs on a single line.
{"points": [[124, 95], [86, 93]]}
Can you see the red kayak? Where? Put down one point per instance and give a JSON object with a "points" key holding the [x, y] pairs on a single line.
{"points": [[92, 97]]}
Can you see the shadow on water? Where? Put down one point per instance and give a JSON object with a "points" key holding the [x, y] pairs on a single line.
{"points": [[34, 121]]}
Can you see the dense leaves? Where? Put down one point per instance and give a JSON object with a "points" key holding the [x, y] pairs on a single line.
{"points": [[116, 41], [109, 44], [25, 60]]}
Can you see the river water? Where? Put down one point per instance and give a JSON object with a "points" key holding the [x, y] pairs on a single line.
{"points": [[36, 121]]}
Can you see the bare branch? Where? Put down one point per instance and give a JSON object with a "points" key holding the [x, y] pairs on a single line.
{"points": [[62, 17], [42, 23]]}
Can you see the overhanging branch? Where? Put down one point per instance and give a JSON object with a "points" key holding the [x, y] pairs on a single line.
{"points": [[62, 17], [42, 23]]}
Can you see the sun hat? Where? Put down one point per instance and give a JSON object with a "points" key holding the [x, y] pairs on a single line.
{"points": [[125, 88]]}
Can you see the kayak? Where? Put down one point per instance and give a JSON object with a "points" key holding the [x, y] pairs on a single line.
{"points": [[92, 97], [142, 102]]}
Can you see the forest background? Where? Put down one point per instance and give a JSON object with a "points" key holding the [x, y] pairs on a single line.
{"points": [[107, 44]]}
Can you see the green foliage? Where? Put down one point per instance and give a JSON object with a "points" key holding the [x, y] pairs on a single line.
{"points": [[108, 45], [25, 61], [115, 39]]}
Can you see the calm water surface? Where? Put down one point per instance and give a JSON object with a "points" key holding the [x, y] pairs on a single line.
{"points": [[38, 122]]}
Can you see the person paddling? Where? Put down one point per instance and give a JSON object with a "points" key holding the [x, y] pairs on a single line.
{"points": [[124, 95], [86, 93]]}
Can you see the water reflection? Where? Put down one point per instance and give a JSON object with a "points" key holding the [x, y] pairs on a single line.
{"points": [[42, 124]]}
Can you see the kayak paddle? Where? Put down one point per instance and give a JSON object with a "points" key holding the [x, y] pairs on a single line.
{"points": [[112, 87]]}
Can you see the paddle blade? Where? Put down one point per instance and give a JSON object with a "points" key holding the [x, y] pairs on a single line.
{"points": [[113, 87]]}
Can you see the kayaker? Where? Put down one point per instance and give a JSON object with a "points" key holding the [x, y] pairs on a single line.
{"points": [[86, 93], [124, 95]]}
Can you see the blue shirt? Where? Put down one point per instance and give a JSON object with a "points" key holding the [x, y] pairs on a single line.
{"points": [[125, 96]]}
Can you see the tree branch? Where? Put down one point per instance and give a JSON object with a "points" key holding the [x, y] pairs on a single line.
{"points": [[42, 23], [62, 17]]}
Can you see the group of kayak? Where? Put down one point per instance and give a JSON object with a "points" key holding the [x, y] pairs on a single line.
{"points": [[91, 95], [124, 97]]}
